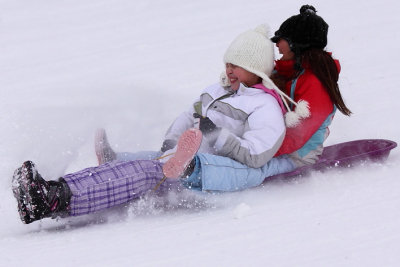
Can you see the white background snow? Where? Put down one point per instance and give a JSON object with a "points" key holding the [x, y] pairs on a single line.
{"points": [[68, 67]]}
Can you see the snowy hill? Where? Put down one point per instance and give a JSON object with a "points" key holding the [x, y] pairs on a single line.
{"points": [[68, 67]]}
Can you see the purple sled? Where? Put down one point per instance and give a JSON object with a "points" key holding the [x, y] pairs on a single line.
{"points": [[345, 155]]}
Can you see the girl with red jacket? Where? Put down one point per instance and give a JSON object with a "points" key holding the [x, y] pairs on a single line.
{"points": [[307, 72]]}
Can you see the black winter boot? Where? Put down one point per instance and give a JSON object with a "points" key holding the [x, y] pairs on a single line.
{"points": [[38, 198]]}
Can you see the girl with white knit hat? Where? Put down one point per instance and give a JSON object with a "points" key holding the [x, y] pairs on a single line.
{"points": [[309, 75], [240, 118]]}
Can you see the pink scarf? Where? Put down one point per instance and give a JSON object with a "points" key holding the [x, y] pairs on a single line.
{"points": [[274, 94]]}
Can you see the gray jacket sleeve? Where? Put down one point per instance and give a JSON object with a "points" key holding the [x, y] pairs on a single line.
{"points": [[265, 131]]}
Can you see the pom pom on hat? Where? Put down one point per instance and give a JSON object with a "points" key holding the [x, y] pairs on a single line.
{"points": [[293, 118], [263, 29], [303, 109]]}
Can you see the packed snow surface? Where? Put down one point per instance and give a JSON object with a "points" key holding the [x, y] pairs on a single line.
{"points": [[69, 67]]}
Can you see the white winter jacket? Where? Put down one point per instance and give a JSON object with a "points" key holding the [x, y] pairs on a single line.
{"points": [[251, 122]]}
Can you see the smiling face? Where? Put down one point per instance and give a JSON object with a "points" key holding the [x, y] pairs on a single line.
{"points": [[238, 75], [284, 49]]}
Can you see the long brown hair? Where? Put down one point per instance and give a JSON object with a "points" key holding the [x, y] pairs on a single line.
{"points": [[324, 67]]}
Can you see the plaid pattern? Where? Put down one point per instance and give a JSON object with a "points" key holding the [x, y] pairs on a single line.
{"points": [[111, 184]]}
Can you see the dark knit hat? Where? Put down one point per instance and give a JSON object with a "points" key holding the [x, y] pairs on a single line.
{"points": [[304, 31]]}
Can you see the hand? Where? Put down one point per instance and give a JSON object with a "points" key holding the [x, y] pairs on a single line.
{"points": [[167, 145], [206, 125]]}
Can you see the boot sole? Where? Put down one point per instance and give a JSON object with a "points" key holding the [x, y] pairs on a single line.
{"points": [[187, 147], [100, 141], [22, 179]]}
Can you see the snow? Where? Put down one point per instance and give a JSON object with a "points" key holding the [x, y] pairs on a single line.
{"points": [[68, 67]]}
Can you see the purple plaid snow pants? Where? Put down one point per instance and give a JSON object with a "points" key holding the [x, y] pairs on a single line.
{"points": [[113, 183]]}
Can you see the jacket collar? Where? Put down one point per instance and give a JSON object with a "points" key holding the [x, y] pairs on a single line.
{"points": [[286, 67]]}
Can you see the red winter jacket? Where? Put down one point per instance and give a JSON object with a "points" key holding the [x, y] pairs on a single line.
{"points": [[310, 89]]}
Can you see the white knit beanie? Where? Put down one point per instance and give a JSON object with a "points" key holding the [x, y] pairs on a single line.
{"points": [[254, 52]]}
